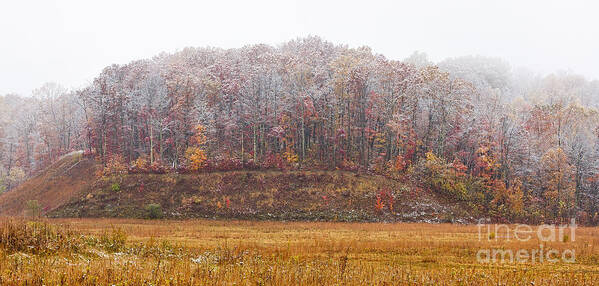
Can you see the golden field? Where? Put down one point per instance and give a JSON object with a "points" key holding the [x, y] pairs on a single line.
{"points": [[208, 252]]}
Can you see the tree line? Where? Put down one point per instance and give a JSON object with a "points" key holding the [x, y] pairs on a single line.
{"points": [[509, 143]]}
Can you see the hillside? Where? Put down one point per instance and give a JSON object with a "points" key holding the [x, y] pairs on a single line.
{"points": [[515, 148], [69, 188], [52, 187]]}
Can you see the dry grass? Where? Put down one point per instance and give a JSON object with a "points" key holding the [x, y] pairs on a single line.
{"points": [[52, 187], [258, 253]]}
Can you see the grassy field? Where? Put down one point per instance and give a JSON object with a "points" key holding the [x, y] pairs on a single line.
{"points": [[207, 252]]}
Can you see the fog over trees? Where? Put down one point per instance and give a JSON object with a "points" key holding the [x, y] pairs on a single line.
{"points": [[509, 143]]}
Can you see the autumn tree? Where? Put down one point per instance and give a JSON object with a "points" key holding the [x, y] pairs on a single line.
{"points": [[195, 154], [508, 142], [558, 184]]}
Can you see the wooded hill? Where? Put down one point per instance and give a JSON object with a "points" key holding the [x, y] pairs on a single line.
{"points": [[514, 145]]}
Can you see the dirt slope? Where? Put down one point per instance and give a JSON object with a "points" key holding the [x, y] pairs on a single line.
{"points": [[52, 187], [69, 188], [291, 195]]}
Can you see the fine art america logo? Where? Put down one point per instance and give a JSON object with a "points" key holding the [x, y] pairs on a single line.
{"points": [[523, 233]]}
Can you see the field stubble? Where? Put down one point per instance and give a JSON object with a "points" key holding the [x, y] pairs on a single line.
{"points": [[207, 252]]}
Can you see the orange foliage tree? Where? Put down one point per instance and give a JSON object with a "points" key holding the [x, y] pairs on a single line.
{"points": [[196, 155], [558, 183]]}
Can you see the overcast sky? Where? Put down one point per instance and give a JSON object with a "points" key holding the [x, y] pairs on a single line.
{"points": [[70, 42]]}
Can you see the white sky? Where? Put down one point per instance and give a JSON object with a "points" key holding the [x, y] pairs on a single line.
{"points": [[70, 42]]}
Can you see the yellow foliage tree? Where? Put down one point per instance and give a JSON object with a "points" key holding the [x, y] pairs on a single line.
{"points": [[196, 155], [557, 178], [291, 156], [508, 202], [141, 163]]}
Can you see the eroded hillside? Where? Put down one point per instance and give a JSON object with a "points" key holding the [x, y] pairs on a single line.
{"points": [[70, 188]]}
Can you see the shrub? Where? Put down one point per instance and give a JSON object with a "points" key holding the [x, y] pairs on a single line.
{"points": [[251, 165], [154, 211], [273, 161], [140, 165], [33, 208], [115, 241], [115, 187], [348, 165], [379, 205], [385, 196], [441, 177], [115, 166], [291, 156], [157, 168], [37, 238], [229, 164], [143, 166]]}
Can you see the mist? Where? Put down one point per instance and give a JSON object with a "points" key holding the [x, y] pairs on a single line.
{"points": [[70, 42]]}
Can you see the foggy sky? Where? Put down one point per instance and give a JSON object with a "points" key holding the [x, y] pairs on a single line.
{"points": [[70, 42]]}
